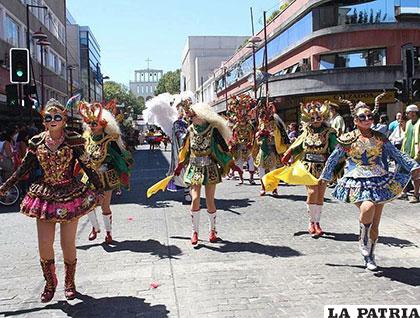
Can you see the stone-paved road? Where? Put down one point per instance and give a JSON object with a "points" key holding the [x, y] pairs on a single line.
{"points": [[265, 265]]}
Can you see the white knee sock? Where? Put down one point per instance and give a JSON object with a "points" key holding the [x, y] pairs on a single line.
{"points": [[94, 220], [107, 222], [312, 212], [318, 213], [195, 220], [212, 220]]}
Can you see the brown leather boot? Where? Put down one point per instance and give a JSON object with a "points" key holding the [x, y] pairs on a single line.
{"points": [[69, 286], [48, 269]]}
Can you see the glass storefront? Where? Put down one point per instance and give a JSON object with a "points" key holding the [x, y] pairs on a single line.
{"points": [[361, 58]]}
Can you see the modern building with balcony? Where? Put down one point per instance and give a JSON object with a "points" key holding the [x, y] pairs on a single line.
{"points": [[326, 49]]}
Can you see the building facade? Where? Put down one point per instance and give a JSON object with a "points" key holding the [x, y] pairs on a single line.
{"points": [[327, 49], [13, 34], [73, 53], [202, 55], [145, 82]]}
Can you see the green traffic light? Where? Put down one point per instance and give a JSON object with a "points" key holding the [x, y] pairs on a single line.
{"points": [[19, 73]]}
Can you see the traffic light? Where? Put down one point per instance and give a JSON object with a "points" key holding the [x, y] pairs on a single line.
{"points": [[19, 66], [12, 95], [401, 91], [416, 89]]}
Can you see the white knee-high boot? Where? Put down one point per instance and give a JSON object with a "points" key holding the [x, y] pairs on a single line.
{"points": [[94, 220], [195, 222]]}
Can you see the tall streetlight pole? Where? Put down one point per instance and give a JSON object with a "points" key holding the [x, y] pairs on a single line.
{"points": [[28, 37], [42, 44], [253, 41], [266, 55], [106, 77], [70, 69]]}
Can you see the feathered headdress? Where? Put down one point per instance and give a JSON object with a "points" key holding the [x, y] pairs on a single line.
{"points": [[159, 112], [240, 106], [95, 112], [54, 105], [314, 108], [206, 112], [92, 113], [184, 102]]}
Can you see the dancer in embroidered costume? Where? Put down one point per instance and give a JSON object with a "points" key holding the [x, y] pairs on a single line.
{"points": [[367, 182], [109, 157], [205, 153], [243, 134], [271, 141], [57, 196], [313, 146], [178, 135]]}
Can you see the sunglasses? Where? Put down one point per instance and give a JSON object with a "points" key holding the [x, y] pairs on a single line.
{"points": [[363, 117], [93, 124], [318, 118], [49, 118]]}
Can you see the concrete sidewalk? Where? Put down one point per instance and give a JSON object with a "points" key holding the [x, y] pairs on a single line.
{"points": [[265, 265]]}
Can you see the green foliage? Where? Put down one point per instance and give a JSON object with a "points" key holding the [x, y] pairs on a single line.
{"points": [[170, 82], [275, 13], [122, 94]]}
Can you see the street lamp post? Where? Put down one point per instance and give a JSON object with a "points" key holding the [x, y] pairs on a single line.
{"points": [[28, 40], [252, 44], [70, 68], [225, 80], [42, 43], [104, 78]]}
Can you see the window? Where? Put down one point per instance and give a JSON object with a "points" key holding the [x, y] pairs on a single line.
{"points": [[408, 6], [12, 31], [293, 35], [378, 11], [362, 58], [142, 88], [138, 89]]}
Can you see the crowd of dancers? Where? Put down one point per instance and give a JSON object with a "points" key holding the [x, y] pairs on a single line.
{"points": [[79, 173]]}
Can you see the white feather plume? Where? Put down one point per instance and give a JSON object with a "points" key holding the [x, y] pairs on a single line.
{"points": [[159, 112], [183, 96]]}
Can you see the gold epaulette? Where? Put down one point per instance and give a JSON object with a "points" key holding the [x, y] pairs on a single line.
{"points": [[348, 138]]}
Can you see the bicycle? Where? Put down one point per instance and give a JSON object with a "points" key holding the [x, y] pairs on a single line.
{"points": [[11, 196]]}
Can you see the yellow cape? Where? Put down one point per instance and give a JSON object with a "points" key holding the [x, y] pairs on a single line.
{"points": [[161, 185], [294, 174]]}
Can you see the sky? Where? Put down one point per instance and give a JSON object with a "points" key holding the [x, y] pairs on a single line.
{"points": [[131, 31]]}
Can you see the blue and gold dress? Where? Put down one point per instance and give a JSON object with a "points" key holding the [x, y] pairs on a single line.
{"points": [[367, 176]]}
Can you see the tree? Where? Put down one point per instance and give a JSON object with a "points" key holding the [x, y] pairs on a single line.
{"points": [[120, 92], [170, 82]]}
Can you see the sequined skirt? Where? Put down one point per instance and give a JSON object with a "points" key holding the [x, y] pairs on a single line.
{"points": [[58, 203], [203, 174], [376, 189]]}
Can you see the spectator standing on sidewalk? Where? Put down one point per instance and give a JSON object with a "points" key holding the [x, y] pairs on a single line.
{"points": [[410, 145]]}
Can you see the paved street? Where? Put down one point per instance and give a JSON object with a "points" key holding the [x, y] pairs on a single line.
{"points": [[264, 266]]}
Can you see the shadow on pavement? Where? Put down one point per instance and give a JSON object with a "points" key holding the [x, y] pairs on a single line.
{"points": [[229, 204], [408, 276], [152, 247], [352, 237], [223, 246], [120, 306], [295, 197]]}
